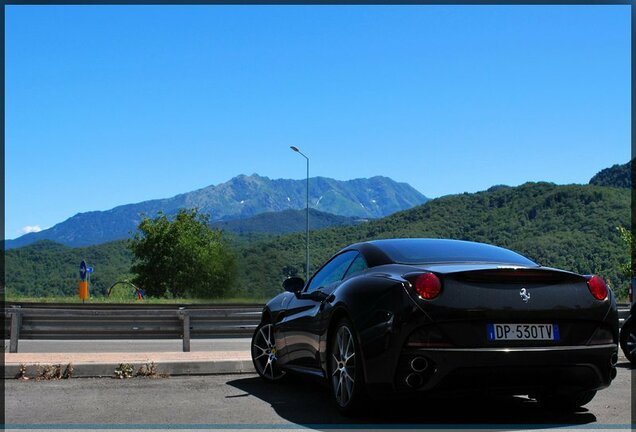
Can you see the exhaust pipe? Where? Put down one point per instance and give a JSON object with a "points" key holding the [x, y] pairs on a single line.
{"points": [[414, 380], [419, 364], [614, 359]]}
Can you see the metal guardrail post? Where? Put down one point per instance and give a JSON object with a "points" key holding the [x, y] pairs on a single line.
{"points": [[16, 323], [185, 317]]}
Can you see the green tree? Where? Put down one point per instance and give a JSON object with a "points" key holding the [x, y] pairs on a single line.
{"points": [[630, 242], [182, 257]]}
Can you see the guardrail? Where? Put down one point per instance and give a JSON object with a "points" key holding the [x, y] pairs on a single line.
{"points": [[136, 322], [96, 322]]}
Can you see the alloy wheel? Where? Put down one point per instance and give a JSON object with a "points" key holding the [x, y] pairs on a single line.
{"points": [[627, 340], [631, 343], [264, 353], [343, 366]]}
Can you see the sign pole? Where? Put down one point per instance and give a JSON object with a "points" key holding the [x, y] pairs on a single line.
{"points": [[83, 284]]}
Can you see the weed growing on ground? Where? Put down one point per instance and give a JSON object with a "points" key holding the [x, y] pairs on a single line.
{"points": [[49, 372], [22, 372], [124, 370], [68, 371], [149, 370]]}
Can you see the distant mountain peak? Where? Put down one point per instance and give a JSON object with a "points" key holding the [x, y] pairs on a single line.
{"points": [[248, 177]]}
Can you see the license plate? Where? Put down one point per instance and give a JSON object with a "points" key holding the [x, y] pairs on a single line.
{"points": [[528, 332]]}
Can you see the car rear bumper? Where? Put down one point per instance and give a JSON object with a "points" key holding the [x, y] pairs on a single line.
{"points": [[507, 370]]}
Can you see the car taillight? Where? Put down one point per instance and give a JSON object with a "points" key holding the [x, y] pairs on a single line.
{"points": [[428, 286], [597, 287]]}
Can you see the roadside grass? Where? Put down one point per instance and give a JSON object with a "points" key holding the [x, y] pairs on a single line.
{"points": [[130, 300]]}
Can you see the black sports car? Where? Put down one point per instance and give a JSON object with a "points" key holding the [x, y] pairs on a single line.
{"points": [[441, 316]]}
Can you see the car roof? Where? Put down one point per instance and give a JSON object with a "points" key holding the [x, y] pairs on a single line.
{"points": [[429, 250]]}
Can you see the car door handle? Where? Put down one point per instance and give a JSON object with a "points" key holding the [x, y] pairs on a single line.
{"points": [[328, 299]]}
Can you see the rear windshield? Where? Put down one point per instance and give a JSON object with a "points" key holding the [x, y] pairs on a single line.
{"points": [[426, 251]]}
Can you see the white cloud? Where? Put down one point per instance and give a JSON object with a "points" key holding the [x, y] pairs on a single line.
{"points": [[31, 229]]}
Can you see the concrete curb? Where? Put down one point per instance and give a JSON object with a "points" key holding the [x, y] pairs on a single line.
{"points": [[107, 369]]}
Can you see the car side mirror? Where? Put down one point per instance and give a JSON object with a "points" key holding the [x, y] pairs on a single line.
{"points": [[317, 295], [294, 284]]}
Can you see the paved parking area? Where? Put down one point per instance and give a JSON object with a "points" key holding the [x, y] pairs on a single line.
{"points": [[245, 401]]}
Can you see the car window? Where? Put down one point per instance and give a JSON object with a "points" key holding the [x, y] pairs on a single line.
{"points": [[430, 251], [333, 271], [359, 264]]}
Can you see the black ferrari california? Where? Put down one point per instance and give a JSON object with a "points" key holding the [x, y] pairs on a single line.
{"points": [[441, 317]]}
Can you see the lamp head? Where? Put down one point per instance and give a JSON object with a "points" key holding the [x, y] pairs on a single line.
{"points": [[294, 148]]}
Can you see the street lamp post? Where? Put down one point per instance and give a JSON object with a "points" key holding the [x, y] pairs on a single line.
{"points": [[297, 150]]}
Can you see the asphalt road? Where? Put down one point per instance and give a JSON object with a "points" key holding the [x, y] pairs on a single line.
{"points": [[136, 345], [232, 401]]}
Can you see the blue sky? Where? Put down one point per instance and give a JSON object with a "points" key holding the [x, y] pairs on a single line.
{"points": [[108, 105]]}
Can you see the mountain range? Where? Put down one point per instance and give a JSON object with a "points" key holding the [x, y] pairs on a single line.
{"points": [[242, 197]]}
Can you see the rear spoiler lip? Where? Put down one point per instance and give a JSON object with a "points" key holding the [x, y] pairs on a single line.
{"points": [[457, 268]]}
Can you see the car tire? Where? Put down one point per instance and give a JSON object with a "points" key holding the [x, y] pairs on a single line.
{"points": [[263, 349], [346, 378], [628, 341], [566, 402]]}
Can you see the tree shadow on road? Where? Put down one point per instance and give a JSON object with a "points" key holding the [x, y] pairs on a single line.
{"points": [[308, 403]]}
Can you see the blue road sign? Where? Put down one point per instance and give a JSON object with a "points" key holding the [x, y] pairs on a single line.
{"points": [[89, 269], [83, 270]]}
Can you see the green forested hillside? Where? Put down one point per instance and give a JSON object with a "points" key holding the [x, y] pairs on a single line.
{"points": [[47, 268], [571, 227], [614, 176]]}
